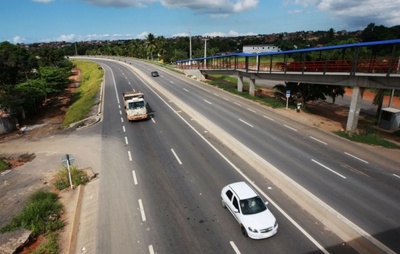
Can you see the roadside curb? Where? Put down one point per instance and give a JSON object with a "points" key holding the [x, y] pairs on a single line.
{"points": [[74, 224]]}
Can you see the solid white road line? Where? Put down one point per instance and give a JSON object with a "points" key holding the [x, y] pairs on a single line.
{"points": [[333, 171], [176, 156], [142, 210]]}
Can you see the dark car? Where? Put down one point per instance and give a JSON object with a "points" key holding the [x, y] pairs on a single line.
{"points": [[154, 74]]}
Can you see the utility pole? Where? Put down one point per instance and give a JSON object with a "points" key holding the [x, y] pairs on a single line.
{"points": [[205, 52], [190, 45]]}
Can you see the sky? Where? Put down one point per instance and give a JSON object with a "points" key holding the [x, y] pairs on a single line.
{"points": [[31, 21]]}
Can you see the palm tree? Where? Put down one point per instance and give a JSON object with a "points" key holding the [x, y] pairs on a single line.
{"points": [[150, 44], [160, 46]]}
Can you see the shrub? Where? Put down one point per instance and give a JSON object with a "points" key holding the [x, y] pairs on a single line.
{"points": [[78, 177], [41, 214], [3, 165]]}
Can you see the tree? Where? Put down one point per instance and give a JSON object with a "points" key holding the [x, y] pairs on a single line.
{"points": [[54, 79], [50, 57], [378, 100], [303, 92], [16, 64], [150, 44]]}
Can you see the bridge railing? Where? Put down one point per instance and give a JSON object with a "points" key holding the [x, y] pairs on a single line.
{"points": [[351, 60]]}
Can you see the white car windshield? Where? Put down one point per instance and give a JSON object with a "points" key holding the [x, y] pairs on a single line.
{"points": [[252, 205]]}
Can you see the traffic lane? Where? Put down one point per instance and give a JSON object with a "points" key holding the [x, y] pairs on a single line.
{"points": [[118, 209]]}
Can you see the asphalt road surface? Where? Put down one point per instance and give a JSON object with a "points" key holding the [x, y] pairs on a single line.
{"points": [[160, 179]]}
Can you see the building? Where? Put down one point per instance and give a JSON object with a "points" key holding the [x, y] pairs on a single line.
{"points": [[253, 49]]}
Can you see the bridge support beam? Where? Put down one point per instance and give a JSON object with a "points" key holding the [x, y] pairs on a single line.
{"points": [[252, 87], [240, 83], [354, 111]]}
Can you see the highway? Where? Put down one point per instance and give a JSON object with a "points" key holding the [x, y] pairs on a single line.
{"points": [[161, 179]]}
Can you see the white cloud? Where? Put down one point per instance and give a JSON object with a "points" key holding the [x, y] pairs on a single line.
{"points": [[94, 37], [121, 3], [201, 6], [356, 13], [18, 39], [213, 6], [231, 33], [66, 37]]}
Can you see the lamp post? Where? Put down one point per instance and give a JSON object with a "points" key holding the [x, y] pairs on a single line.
{"points": [[205, 51], [190, 45]]}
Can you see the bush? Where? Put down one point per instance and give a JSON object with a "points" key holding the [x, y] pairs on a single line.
{"points": [[41, 214], [48, 247], [368, 136], [3, 165], [78, 177]]}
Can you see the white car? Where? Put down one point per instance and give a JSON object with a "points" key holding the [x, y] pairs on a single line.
{"points": [[250, 211]]}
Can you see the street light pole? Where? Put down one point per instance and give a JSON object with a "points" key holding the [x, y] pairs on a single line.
{"points": [[205, 51], [190, 45]]}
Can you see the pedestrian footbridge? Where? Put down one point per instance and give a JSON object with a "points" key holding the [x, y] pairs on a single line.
{"points": [[360, 65]]}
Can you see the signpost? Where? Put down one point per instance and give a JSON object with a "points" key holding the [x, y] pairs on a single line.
{"points": [[287, 98], [68, 160]]}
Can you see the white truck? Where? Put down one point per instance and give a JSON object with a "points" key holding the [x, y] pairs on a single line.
{"points": [[135, 106]]}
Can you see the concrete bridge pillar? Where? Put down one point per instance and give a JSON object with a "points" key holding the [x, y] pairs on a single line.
{"points": [[354, 111], [252, 87], [240, 83]]}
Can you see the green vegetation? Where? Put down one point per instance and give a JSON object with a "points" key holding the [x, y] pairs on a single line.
{"points": [[229, 84], [3, 165], [368, 137], [84, 98], [40, 215], [48, 247], [78, 177]]}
